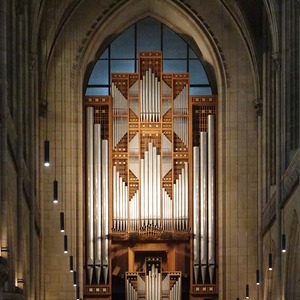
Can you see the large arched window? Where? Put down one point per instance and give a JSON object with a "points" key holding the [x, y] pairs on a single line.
{"points": [[148, 35]]}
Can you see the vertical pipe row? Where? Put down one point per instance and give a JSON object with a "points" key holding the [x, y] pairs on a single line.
{"points": [[150, 97], [153, 284], [181, 102], [203, 202], [211, 197], [150, 186], [181, 129], [175, 291], [134, 211], [142, 206], [120, 202], [131, 292], [97, 199], [119, 101], [167, 210], [181, 200], [90, 194]]}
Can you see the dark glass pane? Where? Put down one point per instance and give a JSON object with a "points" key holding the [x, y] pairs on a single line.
{"points": [[97, 91], [104, 55], [200, 91], [197, 73], [173, 45], [123, 45], [100, 73], [122, 66], [174, 66], [148, 35], [192, 54]]}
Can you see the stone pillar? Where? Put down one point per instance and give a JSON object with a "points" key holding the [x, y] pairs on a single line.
{"points": [[3, 275], [3, 127], [277, 76]]}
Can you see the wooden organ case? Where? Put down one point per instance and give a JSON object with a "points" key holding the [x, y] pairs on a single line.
{"points": [[150, 192]]}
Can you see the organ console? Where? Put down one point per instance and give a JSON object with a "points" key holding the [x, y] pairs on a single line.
{"points": [[150, 188]]}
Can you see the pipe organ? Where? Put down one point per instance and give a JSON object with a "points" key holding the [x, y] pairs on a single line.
{"points": [[150, 188]]}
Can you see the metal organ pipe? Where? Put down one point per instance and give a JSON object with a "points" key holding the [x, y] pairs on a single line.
{"points": [[211, 198], [203, 202], [97, 199], [196, 212], [105, 219], [90, 194]]}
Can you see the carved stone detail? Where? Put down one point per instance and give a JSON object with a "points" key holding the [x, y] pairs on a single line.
{"points": [[258, 106], [276, 61]]}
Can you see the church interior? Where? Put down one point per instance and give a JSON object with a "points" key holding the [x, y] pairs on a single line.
{"points": [[149, 149]]}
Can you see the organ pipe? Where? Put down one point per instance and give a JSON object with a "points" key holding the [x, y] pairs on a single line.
{"points": [[203, 202], [97, 199], [105, 220], [211, 198], [90, 194], [196, 211]]}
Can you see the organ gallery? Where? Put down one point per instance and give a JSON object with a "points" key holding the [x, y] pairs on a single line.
{"points": [[150, 187]]}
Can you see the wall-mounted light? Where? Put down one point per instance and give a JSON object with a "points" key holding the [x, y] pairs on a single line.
{"points": [[283, 243], [55, 191], [257, 277], [247, 291], [74, 278], [46, 153], [62, 222], [65, 243], [270, 262], [77, 292], [71, 264]]}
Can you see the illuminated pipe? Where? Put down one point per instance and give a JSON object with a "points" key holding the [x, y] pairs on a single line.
{"points": [[114, 198], [143, 97], [186, 183], [155, 84], [146, 187], [90, 194], [180, 202], [158, 188], [182, 199], [97, 200], [105, 209], [142, 206], [196, 211], [151, 183], [203, 202], [151, 94], [147, 97], [158, 101], [211, 197]]}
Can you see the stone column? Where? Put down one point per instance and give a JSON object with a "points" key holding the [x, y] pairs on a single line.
{"points": [[258, 106], [277, 76], [3, 275], [3, 127]]}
